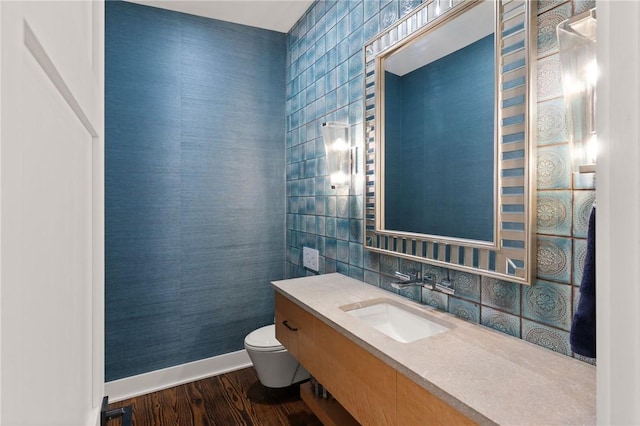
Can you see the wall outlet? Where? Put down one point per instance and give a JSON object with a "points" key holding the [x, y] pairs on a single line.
{"points": [[310, 258]]}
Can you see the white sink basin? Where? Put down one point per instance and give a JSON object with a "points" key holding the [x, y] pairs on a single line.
{"points": [[397, 322]]}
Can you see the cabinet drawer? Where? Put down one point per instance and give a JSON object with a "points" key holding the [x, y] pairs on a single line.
{"points": [[294, 329]]}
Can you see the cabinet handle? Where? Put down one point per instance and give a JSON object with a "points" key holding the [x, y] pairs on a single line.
{"points": [[286, 324]]}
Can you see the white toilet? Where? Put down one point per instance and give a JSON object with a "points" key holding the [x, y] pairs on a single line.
{"points": [[276, 368]]}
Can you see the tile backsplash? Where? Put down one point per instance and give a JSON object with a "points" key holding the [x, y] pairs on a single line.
{"points": [[324, 83]]}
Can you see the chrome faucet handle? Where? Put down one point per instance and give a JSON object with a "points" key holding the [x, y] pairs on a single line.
{"points": [[428, 282], [411, 276], [445, 286]]}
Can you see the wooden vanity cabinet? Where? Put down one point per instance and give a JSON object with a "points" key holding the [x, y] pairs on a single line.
{"points": [[294, 329], [362, 383], [372, 392], [418, 406]]}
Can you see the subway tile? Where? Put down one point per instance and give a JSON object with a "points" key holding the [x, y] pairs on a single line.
{"points": [[342, 229]]}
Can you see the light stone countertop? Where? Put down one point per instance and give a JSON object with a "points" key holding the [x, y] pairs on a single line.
{"points": [[491, 377]]}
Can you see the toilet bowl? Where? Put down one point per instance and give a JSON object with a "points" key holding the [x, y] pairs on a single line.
{"points": [[275, 366]]}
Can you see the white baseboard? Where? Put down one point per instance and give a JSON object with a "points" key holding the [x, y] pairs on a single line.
{"points": [[141, 384]]}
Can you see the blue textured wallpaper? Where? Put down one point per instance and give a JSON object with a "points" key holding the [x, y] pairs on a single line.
{"points": [[195, 121], [446, 111]]}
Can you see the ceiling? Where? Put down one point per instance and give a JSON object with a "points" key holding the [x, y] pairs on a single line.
{"points": [[276, 15]]}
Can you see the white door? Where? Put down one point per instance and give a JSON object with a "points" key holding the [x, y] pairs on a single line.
{"points": [[51, 212]]}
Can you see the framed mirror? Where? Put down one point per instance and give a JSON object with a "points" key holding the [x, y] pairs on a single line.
{"points": [[448, 138]]}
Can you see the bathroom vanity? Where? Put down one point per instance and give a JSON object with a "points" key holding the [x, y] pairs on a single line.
{"points": [[461, 374]]}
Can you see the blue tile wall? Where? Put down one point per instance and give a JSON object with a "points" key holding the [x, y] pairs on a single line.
{"points": [[195, 113], [326, 45]]}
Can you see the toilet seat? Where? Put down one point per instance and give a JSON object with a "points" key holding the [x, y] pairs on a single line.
{"points": [[264, 340]]}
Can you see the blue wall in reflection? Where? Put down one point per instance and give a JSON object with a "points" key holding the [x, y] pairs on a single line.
{"points": [[441, 145]]}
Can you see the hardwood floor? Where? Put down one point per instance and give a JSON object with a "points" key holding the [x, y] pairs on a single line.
{"points": [[231, 399]]}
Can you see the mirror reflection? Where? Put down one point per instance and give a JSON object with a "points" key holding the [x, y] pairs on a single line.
{"points": [[438, 103], [448, 138]]}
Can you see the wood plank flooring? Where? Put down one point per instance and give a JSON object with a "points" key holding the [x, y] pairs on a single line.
{"points": [[232, 399]]}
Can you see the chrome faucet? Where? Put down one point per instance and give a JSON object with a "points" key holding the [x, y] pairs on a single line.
{"points": [[413, 279], [416, 279]]}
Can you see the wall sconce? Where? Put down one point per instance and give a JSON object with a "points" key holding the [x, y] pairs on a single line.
{"points": [[338, 150], [579, 67]]}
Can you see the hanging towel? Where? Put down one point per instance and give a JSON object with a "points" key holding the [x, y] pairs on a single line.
{"points": [[583, 327]]}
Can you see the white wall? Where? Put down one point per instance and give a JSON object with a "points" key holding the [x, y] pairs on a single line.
{"points": [[618, 213], [51, 213]]}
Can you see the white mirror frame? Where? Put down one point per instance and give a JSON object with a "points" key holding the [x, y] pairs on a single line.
{"points": [[512, 257]]}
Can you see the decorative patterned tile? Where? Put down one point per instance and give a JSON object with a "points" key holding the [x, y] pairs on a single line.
{"points": [[576, 299], [548, 303], [407, 266], [388, 264], [372, 260], [372, 278], [436, 272], [579, 256], [544, 5], [549, 81], [552, 122], [554, 258], [582, 204], [503, 322], [465, 310], [583, 5], [503, 295], [389, 14], [584, 181], [553, 167], [550, 338], [591, 361], [553, 212], [467, 285], [547, 23], [406, 6], [435, 298]]}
